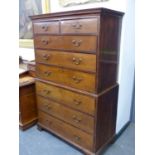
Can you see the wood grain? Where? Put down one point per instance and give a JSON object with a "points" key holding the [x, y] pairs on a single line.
{"points": [[66, 130], [84, 62], [94, 36], [70, 43], [106, 117], [108, 55], [27, 106], [66, 114], [75, 79], [88, 25], [69, 98], [46, 27]]}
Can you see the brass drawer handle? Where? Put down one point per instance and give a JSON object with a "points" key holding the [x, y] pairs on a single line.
{"points": [[47, 106], [45, 42], [46, 91], [77, 42], [48, 122], [45, 27], [46, 56], [47, 73], [77, 138], [76, 61], [77, 25], [76, 119], [77, 102], [76, 79]]}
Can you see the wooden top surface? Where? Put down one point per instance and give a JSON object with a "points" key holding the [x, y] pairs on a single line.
{"points": [[77, 12], [26, 80]]}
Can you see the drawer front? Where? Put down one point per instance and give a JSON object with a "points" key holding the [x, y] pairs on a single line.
{"points": [[46, 28], [86, 62], [67, 131], [74, 100], [79, 26], [75, 79], [77, 43], [74, 117]]}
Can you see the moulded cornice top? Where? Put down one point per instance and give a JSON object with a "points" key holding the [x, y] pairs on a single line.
{"points": [[77, 12]]}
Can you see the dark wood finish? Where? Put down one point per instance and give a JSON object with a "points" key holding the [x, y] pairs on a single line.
{"points": [[83, 62], [83, 33], [89, 25], [70, 43], [76, 118], [106, 117], [69, 98], [27, 102], [76, 14], [77, 136], [76, 79], [108, 51], [46, 27]]}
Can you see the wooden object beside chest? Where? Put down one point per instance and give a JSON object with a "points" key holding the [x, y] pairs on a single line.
{"points": [[76, 68], [27, 101]]}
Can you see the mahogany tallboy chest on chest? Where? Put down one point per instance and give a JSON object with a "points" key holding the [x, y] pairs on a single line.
{"points": [[76, 67]]}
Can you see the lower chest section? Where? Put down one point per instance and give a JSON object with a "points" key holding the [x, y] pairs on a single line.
{"points": [[69, 114]]}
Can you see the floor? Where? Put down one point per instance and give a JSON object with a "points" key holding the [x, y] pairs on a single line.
{"points": [[34, 142]]}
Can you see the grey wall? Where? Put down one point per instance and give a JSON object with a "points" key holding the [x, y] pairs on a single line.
{"points": [[132, 118]]}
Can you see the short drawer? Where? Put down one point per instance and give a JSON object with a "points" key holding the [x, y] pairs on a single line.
{"points": [[46, 28], [76, 118], [86, 62], [74, 100], [65, 130], [75, 79], [79, 26], [69, 43]]}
